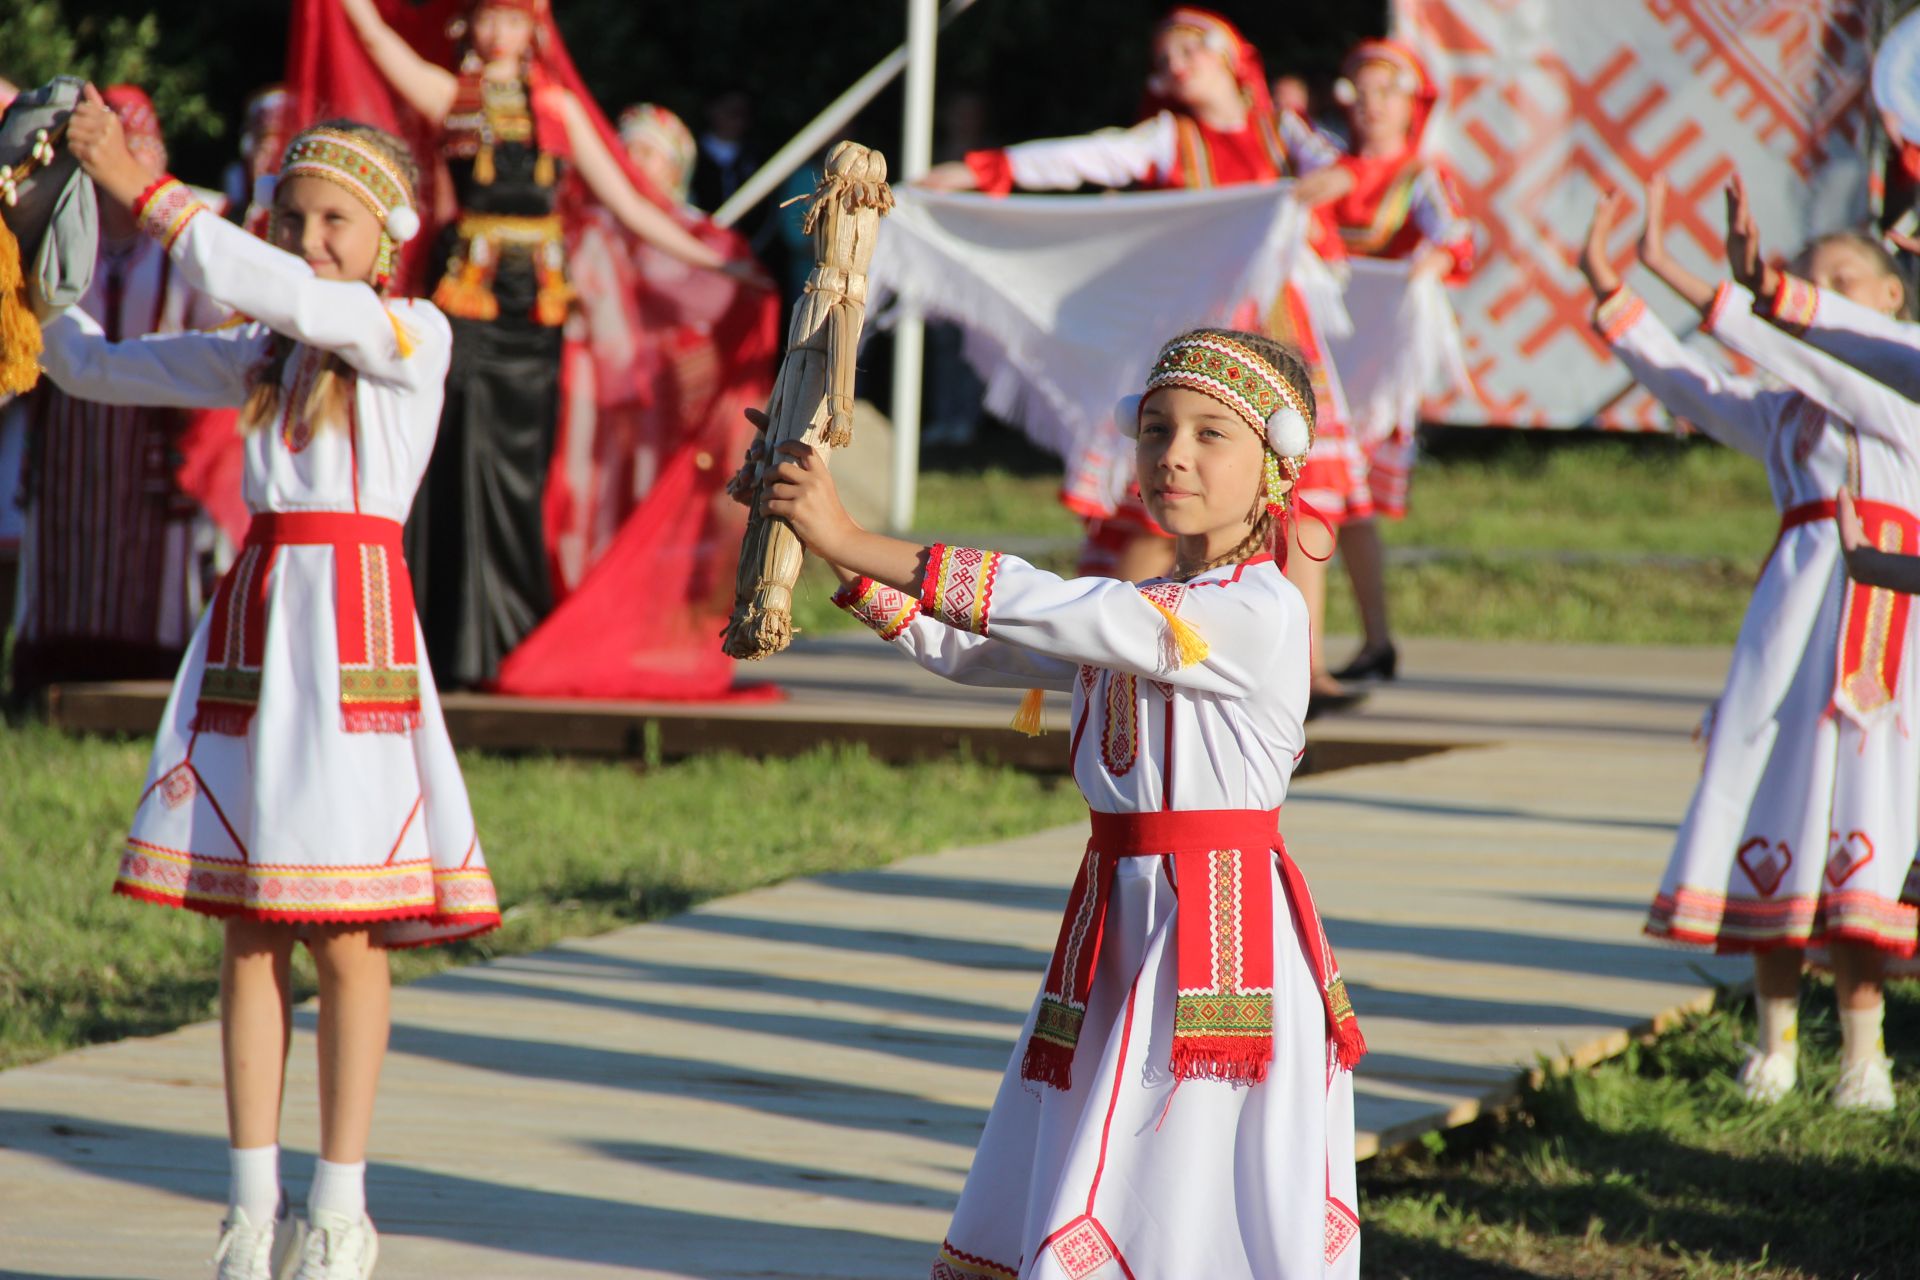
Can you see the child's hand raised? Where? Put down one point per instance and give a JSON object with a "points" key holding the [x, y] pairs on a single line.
{"points": [[1743, 244], [1611, 209], [1853, 534], [1653, 236], [800, 490], [97, 141]]}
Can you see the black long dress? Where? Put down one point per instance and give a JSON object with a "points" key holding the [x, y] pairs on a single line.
{"points": [[476, 540]]}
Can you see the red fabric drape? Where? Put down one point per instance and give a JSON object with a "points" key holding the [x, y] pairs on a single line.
{"points": [[657, 362]]}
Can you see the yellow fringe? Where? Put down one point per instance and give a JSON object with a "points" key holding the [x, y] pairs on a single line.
{"points": [[1188, 642], [401, 338], [483, 165], [1027, 718], [19, 331], [543, 174]]}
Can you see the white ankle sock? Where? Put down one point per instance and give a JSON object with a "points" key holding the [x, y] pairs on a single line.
{"points": [[1860, 1036], [253, 1182], [338, 1188], [1779, 1024]]}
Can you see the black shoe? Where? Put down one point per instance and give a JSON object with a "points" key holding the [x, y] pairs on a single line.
{"points": [[1319, 704], [1371, 664]]}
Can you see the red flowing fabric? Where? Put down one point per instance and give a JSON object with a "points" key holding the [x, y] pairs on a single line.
{"points": [[657, 366]]}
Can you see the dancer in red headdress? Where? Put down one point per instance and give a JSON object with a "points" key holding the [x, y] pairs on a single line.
{"points": [[525, 148], [1391, 202], [1208, 120], [110, 583]]}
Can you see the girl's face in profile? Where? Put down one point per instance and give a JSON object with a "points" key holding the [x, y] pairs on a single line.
{"points": [[1186, 70], [1857, 274]]}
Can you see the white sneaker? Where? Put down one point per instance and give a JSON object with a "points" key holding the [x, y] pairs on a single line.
{"points": [[1766, 1078], [249, 1252], [338, 1248], [1866, 1085]]}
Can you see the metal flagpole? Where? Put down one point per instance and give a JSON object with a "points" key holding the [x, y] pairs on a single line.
{"points": [[909, 332]]}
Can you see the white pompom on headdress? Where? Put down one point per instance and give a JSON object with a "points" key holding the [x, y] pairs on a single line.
{"points": [[1237, 376]]}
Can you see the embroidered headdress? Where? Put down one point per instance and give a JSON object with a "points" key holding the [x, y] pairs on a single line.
{"points": [[1246, 382], [1409, 72], [358, 166], [657, 127], [1223, 38]]}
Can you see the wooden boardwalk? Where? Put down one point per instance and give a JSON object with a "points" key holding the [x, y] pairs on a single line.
{"points": [[789, 1082]]}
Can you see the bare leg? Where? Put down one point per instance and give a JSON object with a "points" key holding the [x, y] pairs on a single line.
{"points": [[355, 987], [1307, 567], [256, 1024], [1147, 556], [1366, 569], [1776, 973], [1857, 972]]}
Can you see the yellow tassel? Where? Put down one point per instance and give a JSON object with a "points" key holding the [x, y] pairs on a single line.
{"points": [[483, 165], [1027, 718], [401, 338], [19, 331], [543, 169], [1186, 641]]}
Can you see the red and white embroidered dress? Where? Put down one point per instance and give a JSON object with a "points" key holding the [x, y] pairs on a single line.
{"points": [[1170, 150], [1805, 821], [295, 818], [1120, 1174]]}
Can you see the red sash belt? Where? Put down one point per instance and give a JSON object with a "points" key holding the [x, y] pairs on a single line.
{"points": [[1873, 628], [373, 621], [1223, 940]]}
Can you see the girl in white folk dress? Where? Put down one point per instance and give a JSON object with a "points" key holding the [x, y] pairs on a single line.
{"points": [[1181, 1100], [1804, 824], [303, 786]]}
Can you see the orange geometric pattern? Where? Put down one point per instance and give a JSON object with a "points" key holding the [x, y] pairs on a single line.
{"points": [[1545, 106]]}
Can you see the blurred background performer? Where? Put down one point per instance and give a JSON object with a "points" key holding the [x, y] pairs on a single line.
{"points": [[1391, 202], [508, 129], [109, 577], [1208, 121]]}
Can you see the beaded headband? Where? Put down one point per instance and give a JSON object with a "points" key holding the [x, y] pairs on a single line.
{"points": [[353, 164]]}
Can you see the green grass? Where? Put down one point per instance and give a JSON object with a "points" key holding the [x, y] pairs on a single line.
{"points": [[576, 847], [1652, 1165]]}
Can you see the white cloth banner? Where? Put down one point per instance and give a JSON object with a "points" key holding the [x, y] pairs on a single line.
{"points": [[1065, 300], [1546, 104], [1404, 347]]}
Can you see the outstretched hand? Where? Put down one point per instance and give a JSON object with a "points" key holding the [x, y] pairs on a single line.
{"points": [[800, 490], [1853, 534], [1608, 213], [1653, 236], [97, 141]]}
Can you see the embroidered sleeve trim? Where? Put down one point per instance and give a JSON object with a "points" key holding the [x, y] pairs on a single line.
{"points": [[992, 171], [1618, 312], [958, 588], [887, 610], [165, 208], [1793, 304]]}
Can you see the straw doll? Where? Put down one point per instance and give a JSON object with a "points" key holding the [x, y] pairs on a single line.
{"points": [[1181, 1097], [303, 787]]}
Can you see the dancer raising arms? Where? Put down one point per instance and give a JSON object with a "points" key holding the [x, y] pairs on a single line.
{"points": [[1181, 1099], [1804, 822], [1209, 121], [303, 786]]}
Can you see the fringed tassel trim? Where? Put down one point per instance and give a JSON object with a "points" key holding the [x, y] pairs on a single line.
{"points": [[1188, 644], [1047, 1063], [1228, 1059], [223, 718], [1027, 719], [20, 343], [397, 719]]}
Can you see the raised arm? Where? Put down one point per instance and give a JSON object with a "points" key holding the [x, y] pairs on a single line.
{"points": [[407, 344], [609, 182], [1878, 346], [960, 656], [428, 88], [174, 370], [1436, 210]]}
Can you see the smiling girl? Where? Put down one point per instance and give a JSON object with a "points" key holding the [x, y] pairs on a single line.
{"points": [[303, 787], [1181, 1099]]}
